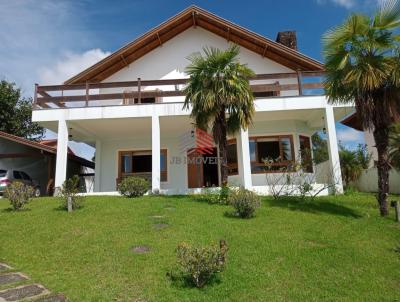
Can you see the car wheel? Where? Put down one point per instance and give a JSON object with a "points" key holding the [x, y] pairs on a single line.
{"points": [[37, 192]]}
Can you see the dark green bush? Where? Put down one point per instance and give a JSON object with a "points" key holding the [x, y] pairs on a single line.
{"points": [[18, 194], [133, 186], [201, 264], [70, 190], [245, 202]]}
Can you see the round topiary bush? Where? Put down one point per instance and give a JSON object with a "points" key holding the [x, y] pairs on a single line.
{"points": [[133, 186], [245, 202]]}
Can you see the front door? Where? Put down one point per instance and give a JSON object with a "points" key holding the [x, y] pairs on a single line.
{"points": [[195, 169]]}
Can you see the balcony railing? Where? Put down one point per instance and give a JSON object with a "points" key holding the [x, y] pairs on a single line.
{"points": [[166, 91]]}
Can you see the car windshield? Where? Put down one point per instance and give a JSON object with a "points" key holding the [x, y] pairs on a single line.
{"points": [[3, 173]]}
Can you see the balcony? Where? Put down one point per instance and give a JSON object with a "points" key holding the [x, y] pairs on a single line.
{"points": [[142, 92]]}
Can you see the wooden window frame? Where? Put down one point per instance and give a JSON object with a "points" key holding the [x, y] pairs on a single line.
{"points": [[308, 138], [285, 163], [164, 174], [128, 98]]}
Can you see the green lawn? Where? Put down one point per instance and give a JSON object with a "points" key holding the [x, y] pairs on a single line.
{"points": [[332, 249]]}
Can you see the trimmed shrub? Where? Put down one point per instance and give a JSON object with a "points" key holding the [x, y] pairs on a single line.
{"points": [[245, 202], [215, 195], [18, 194], [201, 264], [133, 186], [70, 190]]}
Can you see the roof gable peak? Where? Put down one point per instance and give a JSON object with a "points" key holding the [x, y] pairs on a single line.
{"points": [[189, 17]]}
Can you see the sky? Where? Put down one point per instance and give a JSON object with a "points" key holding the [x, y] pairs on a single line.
{"points": [[47, 41]]}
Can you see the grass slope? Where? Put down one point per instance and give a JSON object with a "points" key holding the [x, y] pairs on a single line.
{"points": [[335, 248]]}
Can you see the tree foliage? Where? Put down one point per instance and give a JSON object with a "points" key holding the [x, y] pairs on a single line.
{"points": [[362, 60], [220, 95], [353, 162], [16, 113], [320, 148]]}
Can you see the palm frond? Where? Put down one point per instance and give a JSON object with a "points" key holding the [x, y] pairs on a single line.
{"points": [[388, 15], [218, 81]]}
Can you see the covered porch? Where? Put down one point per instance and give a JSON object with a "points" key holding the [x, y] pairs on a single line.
{"points": [[149, 144]]}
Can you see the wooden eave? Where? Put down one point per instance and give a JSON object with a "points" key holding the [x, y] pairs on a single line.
{"points": [[195, 16], [352, 121]]}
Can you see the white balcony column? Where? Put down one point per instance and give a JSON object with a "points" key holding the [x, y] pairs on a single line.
{"points": [[62, 155], [155, 153], [243, 152], [334, 161], [97, 168]]}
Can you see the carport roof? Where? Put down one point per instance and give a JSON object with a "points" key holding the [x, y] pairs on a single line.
{"points": [[46, 148]]}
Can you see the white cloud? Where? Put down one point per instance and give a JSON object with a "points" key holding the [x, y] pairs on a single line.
{"points": [[363, 5], [345, 3], [350, 136], [69, 65], [36, 35], [348, 4]]}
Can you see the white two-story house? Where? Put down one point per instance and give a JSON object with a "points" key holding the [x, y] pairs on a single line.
{"points": [[129, 106]]}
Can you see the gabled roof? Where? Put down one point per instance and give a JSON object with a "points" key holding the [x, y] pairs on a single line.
{"points": [[195, 16], [46, 148]]}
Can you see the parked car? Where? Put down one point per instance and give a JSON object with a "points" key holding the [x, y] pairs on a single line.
{"points": [[9, 176]]}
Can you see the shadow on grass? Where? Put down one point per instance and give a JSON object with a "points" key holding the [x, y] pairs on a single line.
{"points": [[234, 215], [63, 209], [11, 210], [180, 280], [313, 206]]}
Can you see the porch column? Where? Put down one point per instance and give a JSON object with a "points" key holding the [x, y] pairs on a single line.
{"points": [[155, 153], [97, 167], [334, 161], [62, 155], [243, 151]]}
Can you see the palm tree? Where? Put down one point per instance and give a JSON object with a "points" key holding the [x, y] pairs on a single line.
{"points": [[362, 64], [394, 146], [220, 95]]}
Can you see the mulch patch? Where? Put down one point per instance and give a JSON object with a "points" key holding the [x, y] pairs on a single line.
{"points": [[140, 249]]}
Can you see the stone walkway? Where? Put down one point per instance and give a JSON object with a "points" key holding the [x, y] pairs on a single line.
{"points": [[15, 286]]}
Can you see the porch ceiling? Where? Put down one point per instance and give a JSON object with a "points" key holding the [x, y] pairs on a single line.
{"points": [[173, 126]]}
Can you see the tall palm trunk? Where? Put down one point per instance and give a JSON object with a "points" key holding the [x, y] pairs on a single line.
{"points": [[220, 137], [381, 136]]}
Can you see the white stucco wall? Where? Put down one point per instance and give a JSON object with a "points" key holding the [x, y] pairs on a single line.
{"points": [[177, 173], [368, 181], [170, 60]]}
